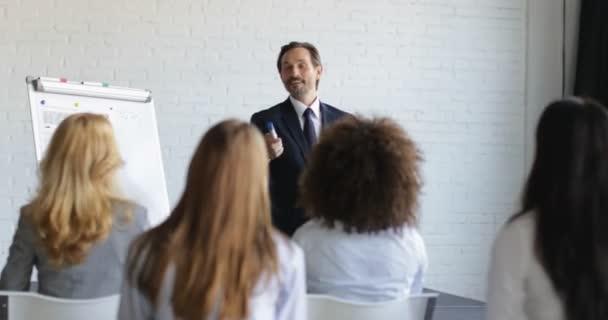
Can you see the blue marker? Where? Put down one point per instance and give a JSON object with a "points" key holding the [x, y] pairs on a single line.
{"points": [[271, 130]]}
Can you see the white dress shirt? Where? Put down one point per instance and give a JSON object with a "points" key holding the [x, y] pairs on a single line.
{"points": [[362, 267], [518, 285], [316, 111], [281, 298]]}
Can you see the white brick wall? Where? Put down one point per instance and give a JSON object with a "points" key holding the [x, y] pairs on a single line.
{"points": [[451, 71]]}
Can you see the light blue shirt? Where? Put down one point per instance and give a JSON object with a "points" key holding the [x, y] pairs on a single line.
{"points": [[281, 298], [362, 267]]}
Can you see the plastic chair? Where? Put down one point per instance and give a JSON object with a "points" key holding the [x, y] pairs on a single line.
{"points": [[30, 305], [415, 307]]}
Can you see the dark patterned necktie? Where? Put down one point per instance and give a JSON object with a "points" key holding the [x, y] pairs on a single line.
{"points": [[309, 128]]}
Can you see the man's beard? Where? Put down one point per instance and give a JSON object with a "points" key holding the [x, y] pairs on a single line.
{"points": [[297, 91]]}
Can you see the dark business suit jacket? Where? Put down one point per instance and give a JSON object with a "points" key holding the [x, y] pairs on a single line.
{"points": [[285, 170]]}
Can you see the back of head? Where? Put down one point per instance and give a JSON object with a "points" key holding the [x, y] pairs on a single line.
{"points": [[219, 236], [567, 190], [363, 174], [73, 208]]}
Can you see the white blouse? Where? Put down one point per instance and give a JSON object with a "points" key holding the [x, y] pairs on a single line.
{"points": [[281, 298], [362, 267], [518, 286]]}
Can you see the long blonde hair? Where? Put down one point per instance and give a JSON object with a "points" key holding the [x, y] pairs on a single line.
{"points": [[219, 236], [73, 208]]}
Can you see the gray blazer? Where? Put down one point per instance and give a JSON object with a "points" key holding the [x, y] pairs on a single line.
{"points": [[101, 274]]}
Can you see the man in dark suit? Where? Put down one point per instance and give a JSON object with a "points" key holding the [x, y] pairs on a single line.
{"points": [[297, 122]]}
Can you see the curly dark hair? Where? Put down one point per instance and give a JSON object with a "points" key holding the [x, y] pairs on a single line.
{"points": [[364, 174]]}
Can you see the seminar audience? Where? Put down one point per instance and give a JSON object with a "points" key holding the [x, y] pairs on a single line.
{"points": [[77, 229], [550, 261], [361, 187], [217, 256]]}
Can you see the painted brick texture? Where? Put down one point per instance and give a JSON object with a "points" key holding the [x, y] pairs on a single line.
{"points": [[452, 72]]}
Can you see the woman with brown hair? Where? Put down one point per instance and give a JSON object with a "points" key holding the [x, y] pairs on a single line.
{"points": [[77, 229], [217, 256], [361, 189]]}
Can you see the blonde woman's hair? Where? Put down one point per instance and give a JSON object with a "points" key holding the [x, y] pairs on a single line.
{"points": [[219, 237], [74, 206]]}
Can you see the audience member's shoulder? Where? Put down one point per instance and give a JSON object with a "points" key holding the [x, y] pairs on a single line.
{"points": [[412, 232], [132, 214], [24, 224], [521, 223], [309, 231], [24, 211], [309, 226], [290, 254], [140, 215], [517, 230]]}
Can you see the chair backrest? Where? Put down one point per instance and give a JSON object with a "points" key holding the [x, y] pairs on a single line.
{"points": [[415, 307], [31, 305]]}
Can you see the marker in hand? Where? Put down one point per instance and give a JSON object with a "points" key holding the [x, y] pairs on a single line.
{"points": [[271, 130], [273, 142]]}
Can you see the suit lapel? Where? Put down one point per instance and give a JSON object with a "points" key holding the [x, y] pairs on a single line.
{"points": [[290, 117]]}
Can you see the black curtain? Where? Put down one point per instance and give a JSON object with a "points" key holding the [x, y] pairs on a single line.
{"points": [[592, 57]]}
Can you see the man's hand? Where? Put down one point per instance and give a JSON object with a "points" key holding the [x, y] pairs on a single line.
{"points": [[274, 145]]}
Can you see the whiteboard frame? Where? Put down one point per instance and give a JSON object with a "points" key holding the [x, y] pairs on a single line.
{"points": [[33, 89]]}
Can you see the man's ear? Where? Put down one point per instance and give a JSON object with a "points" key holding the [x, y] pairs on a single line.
{"points": [[319, 71]]}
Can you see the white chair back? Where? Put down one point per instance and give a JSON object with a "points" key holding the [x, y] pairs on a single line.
{"points": [[415, 307], [31, 305]]}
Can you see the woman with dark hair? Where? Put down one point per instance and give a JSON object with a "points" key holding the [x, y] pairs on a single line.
{"points": [[550, 261], [217, 256], [361, 188]]}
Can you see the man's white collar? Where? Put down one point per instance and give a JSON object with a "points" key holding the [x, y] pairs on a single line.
{"points": [[301, 107]]}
